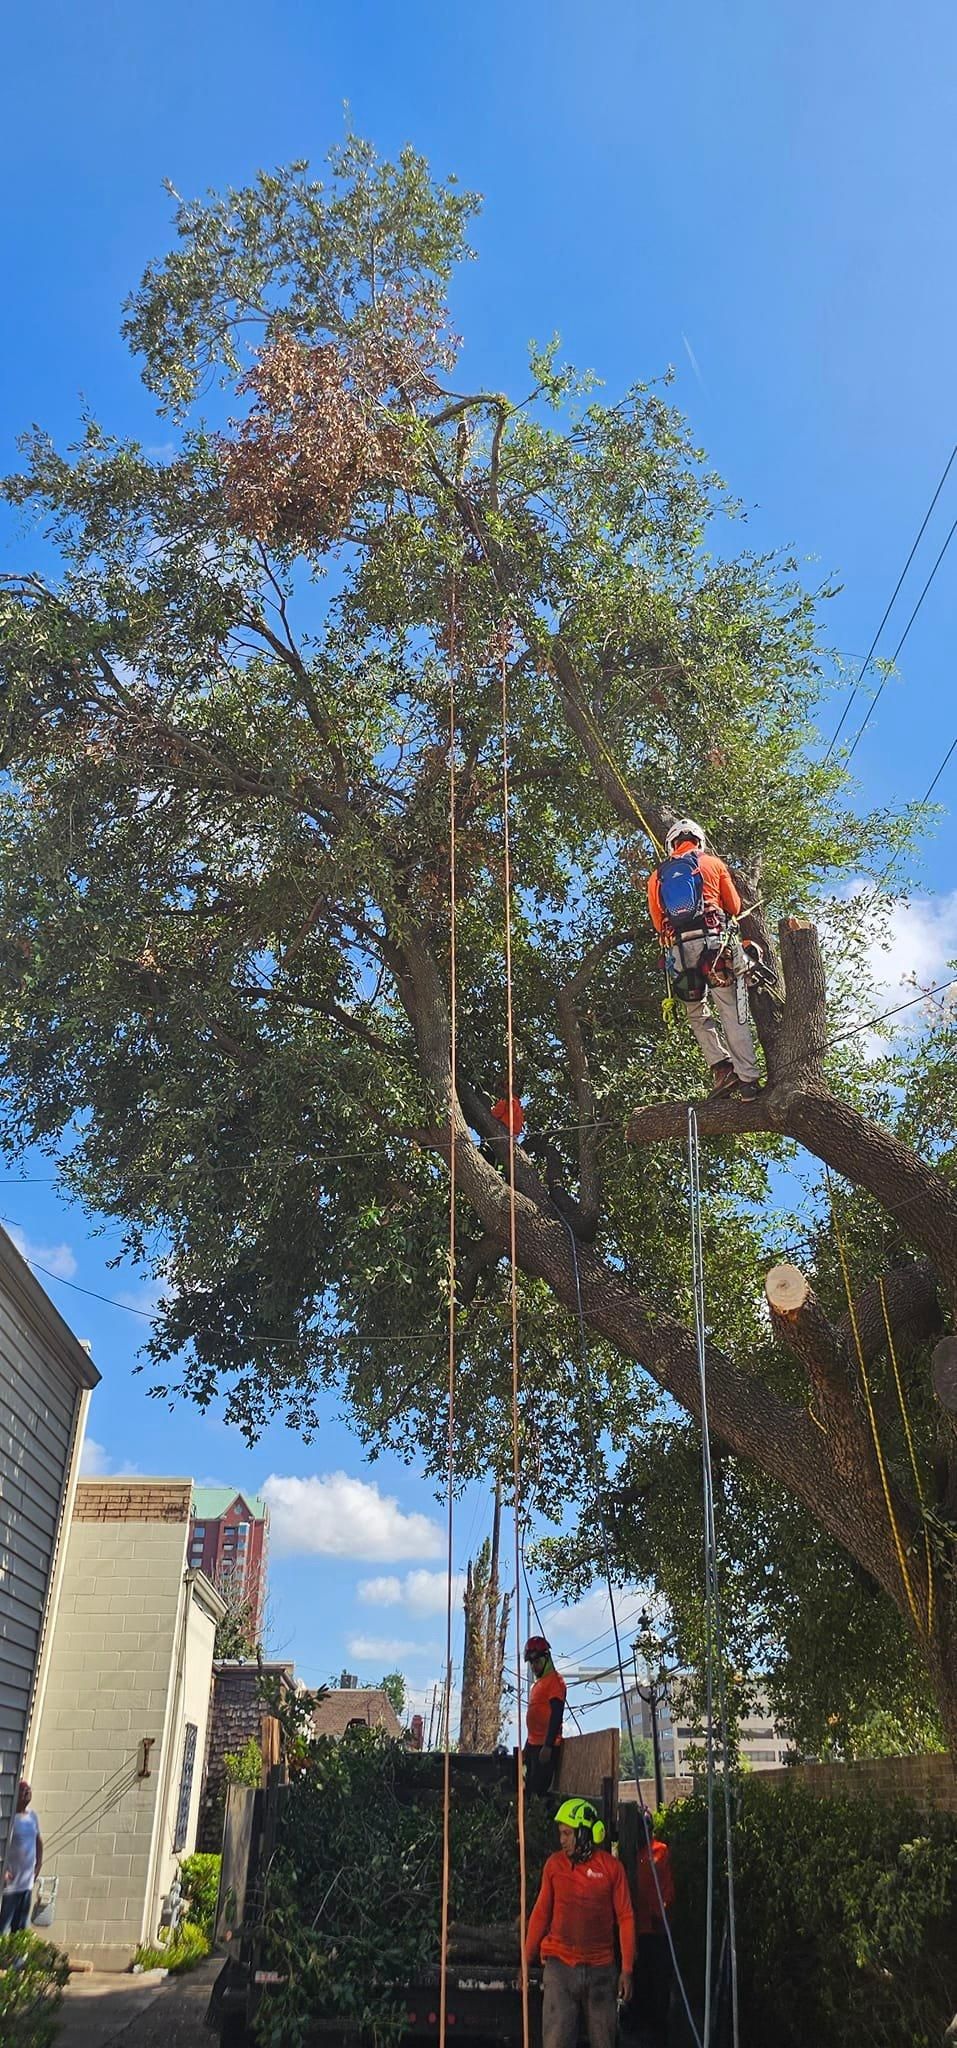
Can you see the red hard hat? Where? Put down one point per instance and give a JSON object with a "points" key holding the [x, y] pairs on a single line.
{"points": [[537, 1646]]}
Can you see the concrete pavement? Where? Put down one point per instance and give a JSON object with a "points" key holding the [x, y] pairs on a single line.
{"points": [[110, 2010]]}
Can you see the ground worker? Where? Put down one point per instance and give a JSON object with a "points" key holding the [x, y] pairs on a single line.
{"points": [[584, 1897], [653, 1902], [691, 897], [543, 1715]]}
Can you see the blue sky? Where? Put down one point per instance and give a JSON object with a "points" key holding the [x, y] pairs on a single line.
{"points": [[761, 196]]}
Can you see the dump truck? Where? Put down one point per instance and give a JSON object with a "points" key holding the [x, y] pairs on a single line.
{"points": [[483, 1973]]}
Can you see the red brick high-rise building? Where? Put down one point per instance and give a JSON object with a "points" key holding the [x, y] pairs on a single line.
{"points": [[228, 1537]]}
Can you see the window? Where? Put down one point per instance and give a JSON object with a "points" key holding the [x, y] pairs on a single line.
{"points": [[199, 1530], [185, 1788]]}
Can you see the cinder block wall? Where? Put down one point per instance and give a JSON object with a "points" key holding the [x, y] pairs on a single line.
{"points": [[111, 1666]]}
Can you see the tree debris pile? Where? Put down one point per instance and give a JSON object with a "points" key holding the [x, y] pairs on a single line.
{"points": [[353, 1907]]}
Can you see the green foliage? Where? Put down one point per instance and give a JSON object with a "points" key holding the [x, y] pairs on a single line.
{"points": [[224, 839], [354, 1896], [636, 1759], [189, 1945], [394, 1687], [847, 1916], [199, 1876], [32, 1976], [244, 1766]]}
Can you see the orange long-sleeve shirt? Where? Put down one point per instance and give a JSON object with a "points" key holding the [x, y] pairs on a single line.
{"points": [[575, 1913], [717, 888], [647, 1904], [547, 1696]]}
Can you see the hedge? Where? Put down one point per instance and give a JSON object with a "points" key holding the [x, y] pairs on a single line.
{"points": [[846, 1911]]}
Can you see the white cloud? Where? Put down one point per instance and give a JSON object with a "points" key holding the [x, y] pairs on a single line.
{"points": [[96, 1463], [915, 951], [584, 1634], [94, 1460], [387, 1650], [57, 1258], [420, 1592], [334, 1515]]}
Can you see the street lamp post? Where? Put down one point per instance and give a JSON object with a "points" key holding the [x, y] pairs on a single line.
{"points": [[652, 1691]]}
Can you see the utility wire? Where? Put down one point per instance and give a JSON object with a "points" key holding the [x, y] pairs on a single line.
{"points": [[872, 707], [868, 656]]}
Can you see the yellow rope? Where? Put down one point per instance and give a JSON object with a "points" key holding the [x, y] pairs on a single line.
{"points": [[872, 1418], [912, 1454], [513, 1301], [610, 762]]}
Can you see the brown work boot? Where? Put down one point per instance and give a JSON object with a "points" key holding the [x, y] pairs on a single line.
{"points": [[723, 1079]]}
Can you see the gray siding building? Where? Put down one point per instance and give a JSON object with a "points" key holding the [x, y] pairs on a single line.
{"points": [[45, 1383]]}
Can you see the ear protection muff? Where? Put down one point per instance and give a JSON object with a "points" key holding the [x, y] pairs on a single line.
{"points": [[581, 1815]]}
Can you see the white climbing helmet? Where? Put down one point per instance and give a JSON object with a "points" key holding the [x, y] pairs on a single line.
{"points": [[685, 828]]}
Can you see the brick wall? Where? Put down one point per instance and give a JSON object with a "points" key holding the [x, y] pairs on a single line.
{"points": [[235, 1714], [133, 1500], [929, 1782]]}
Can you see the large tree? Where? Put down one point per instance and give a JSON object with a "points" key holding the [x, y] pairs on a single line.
{"points": [[229, 679]]}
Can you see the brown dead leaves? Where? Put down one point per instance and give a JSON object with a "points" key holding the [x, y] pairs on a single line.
{"points": [[319, 435]]}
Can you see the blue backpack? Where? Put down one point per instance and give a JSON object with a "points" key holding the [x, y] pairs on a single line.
{"points": [[682, 892]]}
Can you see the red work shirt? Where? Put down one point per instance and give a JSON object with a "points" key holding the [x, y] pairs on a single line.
{"points": [[511, 1114], [648, 1906], [717, 888], [538, 1713], [576, 1912]]}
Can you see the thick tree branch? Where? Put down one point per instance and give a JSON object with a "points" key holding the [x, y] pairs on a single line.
{"points": [[746, 1415]]}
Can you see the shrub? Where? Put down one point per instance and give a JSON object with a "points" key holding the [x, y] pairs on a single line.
{"points": [[847, 1916], [244, 1766], [32, 1976], [184, 1949], [199, 1877]]}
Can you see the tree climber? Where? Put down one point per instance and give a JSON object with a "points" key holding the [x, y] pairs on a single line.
{"points": [[692, 899], [543, 1716], [584, 1897]]}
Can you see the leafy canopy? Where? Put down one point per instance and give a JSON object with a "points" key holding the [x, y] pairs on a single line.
{"points": [[225, 824]]}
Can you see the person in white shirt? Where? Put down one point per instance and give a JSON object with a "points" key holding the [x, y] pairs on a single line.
{"points": [[22, 1867]]}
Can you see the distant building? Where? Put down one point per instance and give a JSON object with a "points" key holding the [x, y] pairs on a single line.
{"points": [[762, 1741], [45, 1382], [228, 1536], [362, 1706], [122, 1733]]}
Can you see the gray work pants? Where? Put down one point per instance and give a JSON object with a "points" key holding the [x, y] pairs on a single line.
{"points": [[575, 1990], [714, 1020]]}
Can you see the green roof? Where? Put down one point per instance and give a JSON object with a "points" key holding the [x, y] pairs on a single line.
{"points": [[210, 1502]]}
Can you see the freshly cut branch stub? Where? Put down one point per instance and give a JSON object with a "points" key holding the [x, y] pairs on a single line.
{"points": [[787, 1290]]}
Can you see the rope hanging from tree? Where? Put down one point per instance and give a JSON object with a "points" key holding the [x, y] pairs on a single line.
{"points": [[450, 1446]]}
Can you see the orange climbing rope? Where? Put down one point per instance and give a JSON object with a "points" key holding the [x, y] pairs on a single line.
{"points": [[513, 1300], [450, 1445], [899, 1549]]}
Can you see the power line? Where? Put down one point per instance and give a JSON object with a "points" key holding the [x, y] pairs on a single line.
{"points": [[865, 722], [890, 607]]}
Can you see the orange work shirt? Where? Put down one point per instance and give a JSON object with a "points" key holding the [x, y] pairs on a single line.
{"points": [[648, 1905], [576, 1912], [511, 1114], [717, 888], [551, 1686]]}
